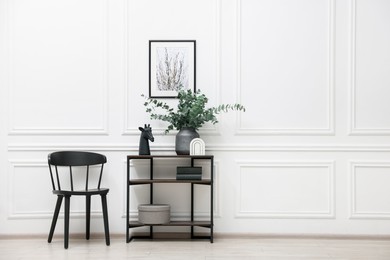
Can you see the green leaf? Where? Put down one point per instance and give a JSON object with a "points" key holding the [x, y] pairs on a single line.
{"points": [[191, 110]]}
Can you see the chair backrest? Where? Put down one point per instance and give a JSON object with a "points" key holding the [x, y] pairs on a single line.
{"points": [[71, 159]]}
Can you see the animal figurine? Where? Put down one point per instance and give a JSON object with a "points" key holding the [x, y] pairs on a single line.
{"points": [[146, 135]]}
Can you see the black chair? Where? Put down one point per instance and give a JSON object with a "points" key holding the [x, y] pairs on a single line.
{"points": [[70, 162]]}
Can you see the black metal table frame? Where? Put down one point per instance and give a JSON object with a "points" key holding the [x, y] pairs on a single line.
{"points": [[151, 181]]}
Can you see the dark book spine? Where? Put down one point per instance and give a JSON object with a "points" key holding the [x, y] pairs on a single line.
{"points": [[189, 170], [188, 177]]}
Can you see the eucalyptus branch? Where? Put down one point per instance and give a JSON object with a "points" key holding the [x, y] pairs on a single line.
{"points": [[191, 110]]}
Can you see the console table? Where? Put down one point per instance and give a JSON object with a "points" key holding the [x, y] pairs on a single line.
{"points": [[151, 181]]}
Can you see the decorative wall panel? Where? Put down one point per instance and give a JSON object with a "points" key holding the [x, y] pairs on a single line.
{"points": [[182, 26], [285, 189], [370, 64], [285, 66], [58, 69], [370, 195]]}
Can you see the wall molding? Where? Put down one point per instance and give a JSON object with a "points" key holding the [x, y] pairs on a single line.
{"points": [[327, 214], [331, 86], [102, 130], [354, 213], [133, 130], [13, 214], [170, 147], [353, 129]]}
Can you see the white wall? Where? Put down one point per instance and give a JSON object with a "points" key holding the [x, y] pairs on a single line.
{"points": [[310, 156]]}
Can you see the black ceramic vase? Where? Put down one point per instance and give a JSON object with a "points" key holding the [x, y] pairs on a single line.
{"points": [[183, 140]]}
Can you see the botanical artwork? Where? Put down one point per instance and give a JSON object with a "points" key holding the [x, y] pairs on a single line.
{"points": [[171, 67]]}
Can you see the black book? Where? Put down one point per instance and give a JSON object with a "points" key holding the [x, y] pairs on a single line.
{"points": [[189, 170]]}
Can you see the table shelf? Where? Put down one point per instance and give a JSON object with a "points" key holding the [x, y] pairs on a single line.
{"points": [[173, 224], [149, 181]]}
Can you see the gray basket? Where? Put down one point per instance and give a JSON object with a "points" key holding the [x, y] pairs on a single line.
{"points": [[154, 214]]}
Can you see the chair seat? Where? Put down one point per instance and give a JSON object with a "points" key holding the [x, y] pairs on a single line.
{"points": [[100, 191]]}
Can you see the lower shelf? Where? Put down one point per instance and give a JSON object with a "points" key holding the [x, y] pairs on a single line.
{"points": [[206, 224]]}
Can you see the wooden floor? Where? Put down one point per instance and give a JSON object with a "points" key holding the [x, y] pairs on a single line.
{"points": [[222, 248]]}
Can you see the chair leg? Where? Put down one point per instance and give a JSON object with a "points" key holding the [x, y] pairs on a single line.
{"points": [[88, 216], [66, 226], [105, 219], [55, 217]]}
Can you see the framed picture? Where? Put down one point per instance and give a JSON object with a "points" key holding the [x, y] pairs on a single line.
{"points": [[172, 65]]}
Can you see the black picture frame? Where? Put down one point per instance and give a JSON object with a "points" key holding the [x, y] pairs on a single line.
{"points": [[172, 63]]}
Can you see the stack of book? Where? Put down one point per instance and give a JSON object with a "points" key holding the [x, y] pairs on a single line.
{"points": [[189, 173]]}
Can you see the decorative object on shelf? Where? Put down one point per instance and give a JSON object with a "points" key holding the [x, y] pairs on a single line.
{"points": [[183, 140], [188, 173], [197, 147], [154, 214], [191, 112], [171, 66], [146, 135]]}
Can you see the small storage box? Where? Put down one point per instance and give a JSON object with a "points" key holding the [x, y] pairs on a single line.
{"points": [[154, 214]]}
